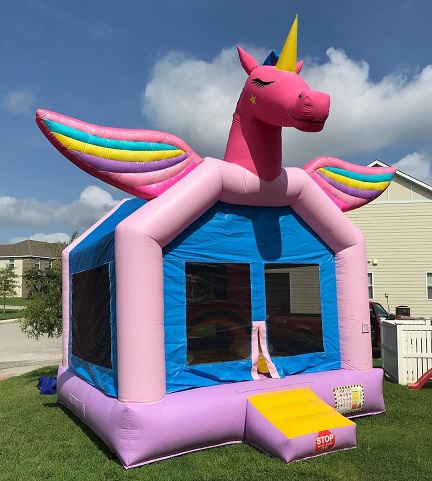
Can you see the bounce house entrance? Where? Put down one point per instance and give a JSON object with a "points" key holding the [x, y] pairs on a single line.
{"points": [[270, 287]]}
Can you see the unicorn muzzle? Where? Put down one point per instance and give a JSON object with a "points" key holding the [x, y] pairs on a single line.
{"points": [[311, 110]]}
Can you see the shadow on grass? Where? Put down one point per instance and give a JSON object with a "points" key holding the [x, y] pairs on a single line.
{"points": [[89, 433], [46, 371], [51, 402]]}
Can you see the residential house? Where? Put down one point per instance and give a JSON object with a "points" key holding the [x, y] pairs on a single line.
{"points": [[24, 256], [398, 231]]}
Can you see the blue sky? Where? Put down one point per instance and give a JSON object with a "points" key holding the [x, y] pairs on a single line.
{"points": [[172, 66]]}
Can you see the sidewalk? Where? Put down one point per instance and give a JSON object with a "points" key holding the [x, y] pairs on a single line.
{"points": [[11, 308], [19, 354], [6, 321]]}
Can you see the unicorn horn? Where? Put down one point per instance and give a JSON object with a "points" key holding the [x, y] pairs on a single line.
{"points": [[288, 57]]}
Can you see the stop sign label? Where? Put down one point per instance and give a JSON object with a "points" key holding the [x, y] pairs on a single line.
{"points": [[324, 441]]}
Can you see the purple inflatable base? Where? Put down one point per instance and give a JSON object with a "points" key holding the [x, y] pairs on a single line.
{"points": [[202, 418]]}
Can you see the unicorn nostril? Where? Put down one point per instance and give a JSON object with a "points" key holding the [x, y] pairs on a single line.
{"points": [[300, 96]]}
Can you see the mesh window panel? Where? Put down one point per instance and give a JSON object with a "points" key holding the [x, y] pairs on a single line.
{"points": [[294, 323], [218, 312], [91, 327]]}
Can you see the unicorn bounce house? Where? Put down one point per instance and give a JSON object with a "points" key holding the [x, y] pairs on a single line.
{"points": [[227, 301]]}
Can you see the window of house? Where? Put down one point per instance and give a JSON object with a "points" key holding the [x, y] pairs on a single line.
{"points": [[12, 263], [218, 312], [370, 285], [37, 263], [429, 285], [293, 306]]}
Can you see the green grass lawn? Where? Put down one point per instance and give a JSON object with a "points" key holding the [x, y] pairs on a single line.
{"points": [[15, 301], [40, 440], [11, 313]]}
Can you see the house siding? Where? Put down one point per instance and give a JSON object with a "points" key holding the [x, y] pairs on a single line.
{"points": [[305, 290], [398, 236], [403, 188], [25, 254], [18, 267], [22, 265]]}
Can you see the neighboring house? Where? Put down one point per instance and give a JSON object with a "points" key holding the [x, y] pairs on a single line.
{"points": [[398, 231], [24, 256]]}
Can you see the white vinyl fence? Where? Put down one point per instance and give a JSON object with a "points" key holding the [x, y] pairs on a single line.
{"points": [[406, 349]]}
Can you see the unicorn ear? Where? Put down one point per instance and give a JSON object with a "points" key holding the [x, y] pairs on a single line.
{"points": [[299, 66], [247, 61]]}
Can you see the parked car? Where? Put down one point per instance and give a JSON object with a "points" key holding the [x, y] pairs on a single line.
{"points": [[377, 314]]}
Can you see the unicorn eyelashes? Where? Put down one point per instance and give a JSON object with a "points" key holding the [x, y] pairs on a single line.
{"points": [[260, 83]]}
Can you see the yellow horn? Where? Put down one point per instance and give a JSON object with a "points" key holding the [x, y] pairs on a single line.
{"points": [[288, 58]]}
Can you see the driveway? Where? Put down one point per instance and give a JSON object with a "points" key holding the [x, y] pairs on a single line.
{"points": [[19, 354]]}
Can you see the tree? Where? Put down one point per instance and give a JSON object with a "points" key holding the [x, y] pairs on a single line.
{"points": [[8, 284], [43, 312]]}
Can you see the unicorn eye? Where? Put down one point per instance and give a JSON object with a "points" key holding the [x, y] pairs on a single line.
{"points": [[260, 83]]}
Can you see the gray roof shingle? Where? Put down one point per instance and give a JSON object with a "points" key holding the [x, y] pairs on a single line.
{"points": [[28, 248]]}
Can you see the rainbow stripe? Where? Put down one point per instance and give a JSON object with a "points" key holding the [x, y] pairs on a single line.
{"points": [[142, 162], [356, 184], [87, 138], [112, 149], [349, 186], [358, 176]]}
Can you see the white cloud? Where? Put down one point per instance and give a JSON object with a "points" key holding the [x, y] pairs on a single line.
{"points": [[195, 100], [366, 116], [20, 102], [92, 204], [418, 165], [25, 212]]}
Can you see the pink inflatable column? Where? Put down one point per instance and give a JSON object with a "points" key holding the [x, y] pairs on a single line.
{"points": [[139, 240]]}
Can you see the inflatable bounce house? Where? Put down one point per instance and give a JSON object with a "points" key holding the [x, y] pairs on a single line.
{"points": [[227, 301]]}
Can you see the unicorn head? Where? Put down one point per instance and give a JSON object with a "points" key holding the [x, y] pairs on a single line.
{"points": [[274, 96], [277, 94]]}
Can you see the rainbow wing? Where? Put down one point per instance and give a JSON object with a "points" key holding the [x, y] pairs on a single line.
{"points": [[349, 186], [143, 163]]}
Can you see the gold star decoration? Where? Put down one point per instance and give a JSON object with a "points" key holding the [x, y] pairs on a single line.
{"points": [[252, 99]]}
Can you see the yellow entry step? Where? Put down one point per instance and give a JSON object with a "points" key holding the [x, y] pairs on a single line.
{"points": [[297, 412]]}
